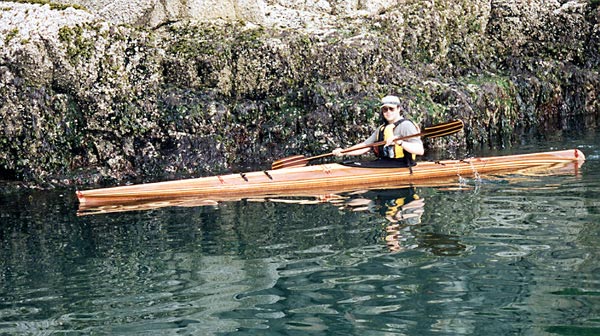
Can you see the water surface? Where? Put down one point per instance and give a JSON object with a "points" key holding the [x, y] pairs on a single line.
{"points": [[504, 256]]}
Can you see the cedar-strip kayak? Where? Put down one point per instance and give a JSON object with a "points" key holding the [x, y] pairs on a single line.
{"points": [[326, 178]]}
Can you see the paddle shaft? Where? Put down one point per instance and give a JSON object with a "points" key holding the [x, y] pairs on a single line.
{"points": [[375, 144], [432, 132]]}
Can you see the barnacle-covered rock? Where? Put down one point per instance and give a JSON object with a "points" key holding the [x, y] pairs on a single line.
{"points": [[110, 91]]}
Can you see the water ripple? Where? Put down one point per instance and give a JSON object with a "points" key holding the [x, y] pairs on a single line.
{"points": [[505, 256]]}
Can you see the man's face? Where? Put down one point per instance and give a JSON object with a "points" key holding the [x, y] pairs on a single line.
{"points": [[390, 113]]}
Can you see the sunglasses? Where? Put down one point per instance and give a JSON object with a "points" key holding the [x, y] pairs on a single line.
{"points": [[387, 108]]}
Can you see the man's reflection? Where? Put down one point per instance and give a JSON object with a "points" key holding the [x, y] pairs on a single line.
{"points": [[402, 208]]}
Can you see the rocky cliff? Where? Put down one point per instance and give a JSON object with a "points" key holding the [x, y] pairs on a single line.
{"points": [[104, 92]]}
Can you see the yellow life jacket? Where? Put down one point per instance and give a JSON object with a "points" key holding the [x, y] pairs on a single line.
{"points": [[396, 151]]}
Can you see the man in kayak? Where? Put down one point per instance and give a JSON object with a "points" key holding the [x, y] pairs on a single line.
{"points": [[401, 153]]}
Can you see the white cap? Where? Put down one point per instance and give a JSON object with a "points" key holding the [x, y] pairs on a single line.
{"points": [[390, 101]]}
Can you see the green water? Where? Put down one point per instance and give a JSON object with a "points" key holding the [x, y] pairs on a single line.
{"points": [[507, 256]]}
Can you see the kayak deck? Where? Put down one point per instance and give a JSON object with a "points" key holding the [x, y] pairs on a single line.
{"points": [[326, 178]]}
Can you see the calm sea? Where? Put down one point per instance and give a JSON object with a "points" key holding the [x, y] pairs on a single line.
{"points": [[511, 255]]}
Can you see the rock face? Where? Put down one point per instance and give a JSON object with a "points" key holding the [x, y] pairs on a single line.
{"points": [[283, 13], [94, 96]]}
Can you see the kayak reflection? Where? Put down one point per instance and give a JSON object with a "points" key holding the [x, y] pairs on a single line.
{"points": [[401, 210]]}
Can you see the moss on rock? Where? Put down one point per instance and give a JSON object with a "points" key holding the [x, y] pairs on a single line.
{"points": [[99, 103]]}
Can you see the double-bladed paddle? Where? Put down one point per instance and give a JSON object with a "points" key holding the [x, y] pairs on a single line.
{"points": [[434, 131]]}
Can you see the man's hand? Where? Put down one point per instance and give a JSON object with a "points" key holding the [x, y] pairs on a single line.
{"points": [[391, 141], [337, 152]]}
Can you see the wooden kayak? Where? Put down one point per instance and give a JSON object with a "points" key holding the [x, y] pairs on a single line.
{"points": [[326, 178]]}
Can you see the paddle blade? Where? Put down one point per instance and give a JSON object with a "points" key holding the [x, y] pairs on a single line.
{"points": [[444, 129], [299, 163], [291, 161]]}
